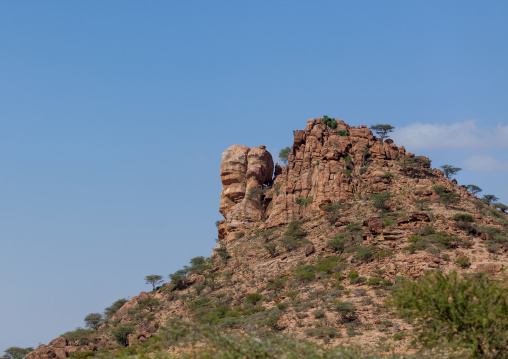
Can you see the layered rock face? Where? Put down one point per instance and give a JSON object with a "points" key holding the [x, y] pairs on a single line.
{"points": [[325, 166], [244, 172]]}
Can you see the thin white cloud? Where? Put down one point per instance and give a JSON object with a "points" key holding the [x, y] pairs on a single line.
{"points": [[484, 163], [461, 135]]}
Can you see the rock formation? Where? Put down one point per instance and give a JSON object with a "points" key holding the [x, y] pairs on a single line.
{"points": [[243, 173], [325, 165]]}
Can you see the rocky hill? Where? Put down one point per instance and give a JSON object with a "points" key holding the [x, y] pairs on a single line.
{"points": [[312, 249]]}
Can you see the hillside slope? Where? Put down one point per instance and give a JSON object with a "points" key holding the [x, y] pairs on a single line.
{"points": [[313, 249]]}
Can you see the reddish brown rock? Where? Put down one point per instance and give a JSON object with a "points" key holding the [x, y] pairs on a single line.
{"points": [[423, 192], [244, 171], [419, 217], [200, 280], [309, 249], [375, 225], [60, 342], [489, 268]]}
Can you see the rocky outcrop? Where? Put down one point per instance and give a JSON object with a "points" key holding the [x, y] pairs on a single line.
{"points": [[244, 173], [324, 166]]}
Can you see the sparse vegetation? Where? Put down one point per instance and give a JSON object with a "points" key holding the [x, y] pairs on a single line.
{"points": [[466, 312], [284, 154]]}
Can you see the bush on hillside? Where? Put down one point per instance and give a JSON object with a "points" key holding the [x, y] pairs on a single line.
{"points": [[469, 312]]}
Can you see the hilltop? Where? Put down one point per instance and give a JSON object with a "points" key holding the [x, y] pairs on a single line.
{"points": [[311, 250]]}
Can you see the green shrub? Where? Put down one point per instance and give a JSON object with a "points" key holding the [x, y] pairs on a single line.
{"points": [[318, 313], [375, 281], [463, 217], [329, 122], [462, 262], [381, 200], [362, 253], [122, 332], [79, 334], [327, 265], [468, 312], [337, 244], [253, 298], [239, 235], [294, 236], [343, 133], [271, 248], [352, 275], [492, 247], [305, 273]]}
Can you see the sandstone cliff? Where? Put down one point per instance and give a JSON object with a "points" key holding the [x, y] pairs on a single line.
{"points": [[324, 166]]}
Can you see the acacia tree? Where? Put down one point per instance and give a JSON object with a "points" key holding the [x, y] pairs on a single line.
{"points": [[502, 207], [93, 320], [153, 280], [284, 154], [16, 352], [489, 199], [382, 130], [450, 171], [473, 189]]}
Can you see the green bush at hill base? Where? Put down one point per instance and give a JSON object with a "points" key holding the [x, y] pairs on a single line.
{"points": [[469, 312]]}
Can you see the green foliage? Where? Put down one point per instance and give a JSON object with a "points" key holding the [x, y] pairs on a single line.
{"points": [[150, 304], [343, 133], [111, 310], [463, 217], [450, 170], [305, 273], [294, 236], [179, 277], [337, 244], [348, 172], [239, 234], [93, 320], [81, 335], [382, 130], [223, 253], [381, 200], [446, 197], [83, 354], [489, 199], [462, 262], [271, 248], [16, 352], [253, 298], [327, 265], [121, 333], [304, 202], [217, 223], [469, 312], [352, 275], [502, 207], [362, 253], [197, 261], [329, 122], [153, 280], [473, 189], [284, 154], [333, 212]]}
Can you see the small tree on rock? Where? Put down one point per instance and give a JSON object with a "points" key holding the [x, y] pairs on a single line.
{"points": [[16, 352], [473, 189], [502, 207], [93, 320], [489, 199], [382, 130], [450, 170], [153, 280], [329, 121], [284, 154]]}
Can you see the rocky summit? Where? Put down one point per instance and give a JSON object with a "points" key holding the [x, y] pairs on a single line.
{"points": [[326, 257]]}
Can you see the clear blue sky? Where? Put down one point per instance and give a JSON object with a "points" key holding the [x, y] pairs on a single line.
{"points": [[114, 116]]}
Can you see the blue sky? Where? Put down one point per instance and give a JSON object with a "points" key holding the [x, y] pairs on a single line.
{"points": [[114, 116]]}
